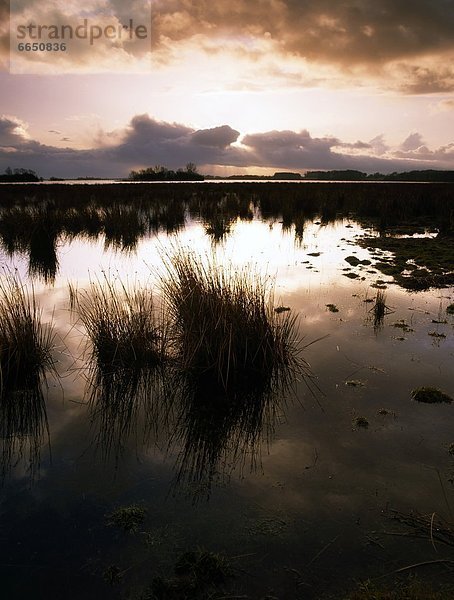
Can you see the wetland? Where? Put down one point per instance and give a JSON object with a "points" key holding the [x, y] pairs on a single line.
{"points": [[227, 390]]}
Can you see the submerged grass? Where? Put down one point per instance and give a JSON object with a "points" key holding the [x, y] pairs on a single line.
{"points": [[127, 518], [411, 589], [198, 575], [25, 358]]}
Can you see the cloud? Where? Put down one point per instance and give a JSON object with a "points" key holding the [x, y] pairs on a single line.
{"points": [[219, 137], [88, 47], [412, 142], [407, 48], [146, 142], [379, 145], [291, 149], [424, 79], [13, 132], [442, 155], [445, 105], [362, 37], [333, 30]]}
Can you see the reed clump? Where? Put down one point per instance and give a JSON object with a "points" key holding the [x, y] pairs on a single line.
{"points": [[127, 358], [380, 309], [226, 331], [25, 357], [25, 344], [122, 324]]}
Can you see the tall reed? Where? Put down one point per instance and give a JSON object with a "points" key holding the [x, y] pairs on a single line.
{"points": [[128, 351], [25, 357], [122, 323], [379, 310], [225, 328]]}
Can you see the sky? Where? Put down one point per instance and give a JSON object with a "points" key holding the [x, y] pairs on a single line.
{"points": [[235, 86]]}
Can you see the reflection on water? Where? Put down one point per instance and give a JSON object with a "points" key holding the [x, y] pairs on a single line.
{"points": [[127, 405], [23, 429], [36, 226], [219, 432], [294, 485]]}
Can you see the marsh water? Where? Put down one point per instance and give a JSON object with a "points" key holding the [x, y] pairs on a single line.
{"points": [[307, 504]]}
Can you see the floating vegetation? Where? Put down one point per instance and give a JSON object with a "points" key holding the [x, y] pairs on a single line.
{"points": [[451, 449], [430, 395], [435, 334], [25, 358], [402, 324], [128, 518], [361, 422], [450, 309], [354, 261], [417, 263], [379, 285], [354, 383], [385, 412], [332, 308], [198, 574]]}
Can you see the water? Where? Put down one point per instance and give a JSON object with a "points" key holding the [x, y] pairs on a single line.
{"points": [[305, 510]]}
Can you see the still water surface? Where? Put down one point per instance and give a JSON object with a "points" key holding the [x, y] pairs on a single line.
{"points": [[307, 508]]}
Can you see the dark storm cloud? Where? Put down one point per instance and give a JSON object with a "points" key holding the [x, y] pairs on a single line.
{"points": [[288, 148], [408, 44], [219, 137], [146, 142], [334, 31]]}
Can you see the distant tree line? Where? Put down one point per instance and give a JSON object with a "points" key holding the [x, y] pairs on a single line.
{"points": [[17, 175], [352, 175], [190, 173], [159, 173], [348, 175]]}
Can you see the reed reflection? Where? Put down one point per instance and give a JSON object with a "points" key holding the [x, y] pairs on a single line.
{"points": [[218, 432], [25, 359], [34, 222], [127, 357], [209, 369], [237, 356]]}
